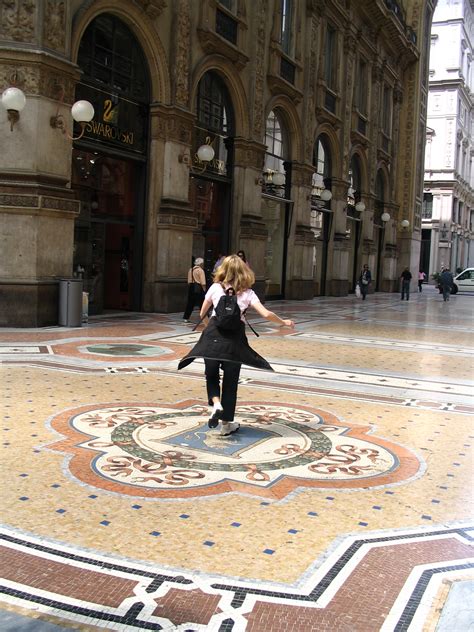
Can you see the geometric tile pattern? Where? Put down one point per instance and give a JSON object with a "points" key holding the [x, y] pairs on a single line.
{"points": [[91, 589]]}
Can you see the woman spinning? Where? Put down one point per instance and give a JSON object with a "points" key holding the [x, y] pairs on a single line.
{"points": [[228, 349]]}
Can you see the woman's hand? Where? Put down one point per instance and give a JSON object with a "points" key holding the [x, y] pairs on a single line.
{"points": [[288, 323]]}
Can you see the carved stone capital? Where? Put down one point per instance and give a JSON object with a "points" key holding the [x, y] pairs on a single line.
{"points": [[172, 123], [301, 174], [248, 153]]}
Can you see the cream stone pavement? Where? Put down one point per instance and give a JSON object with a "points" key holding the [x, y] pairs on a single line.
{"points": [[344, 502]]}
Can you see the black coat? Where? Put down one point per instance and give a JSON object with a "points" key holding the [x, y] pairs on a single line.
{"points": [[230, 346]]}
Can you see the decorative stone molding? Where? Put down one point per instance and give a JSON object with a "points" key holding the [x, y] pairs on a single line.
{"points": [[172, 123], [279, 86], [54, 26], [153, 8], [215, 44], [249, 153], [180, 76], [39, 76], [259, 68], [17, 20], [21, 201], [176, 214], [59, 204], [301, 174], [304, 236], [253, 228]]}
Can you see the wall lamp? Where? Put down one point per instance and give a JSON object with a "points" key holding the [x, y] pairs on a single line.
{"points": [[359, 206], [82, 112], [13, 100], [385, 217], [271, 179], [318, 190], [404, 224], [204, 155]]}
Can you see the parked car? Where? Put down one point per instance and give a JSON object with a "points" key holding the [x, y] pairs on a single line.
{"points": [[464, 281]]}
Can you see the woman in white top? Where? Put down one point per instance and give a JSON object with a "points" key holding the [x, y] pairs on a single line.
{"points": [[228, 349]]}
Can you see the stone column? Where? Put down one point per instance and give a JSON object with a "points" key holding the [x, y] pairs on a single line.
{"points": [[338, 264], [37, 207], [299, 268], [170, 218]]}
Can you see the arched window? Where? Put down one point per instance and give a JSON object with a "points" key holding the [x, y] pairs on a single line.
{"points": [[276, 155], [111, 56], [215, 119]]}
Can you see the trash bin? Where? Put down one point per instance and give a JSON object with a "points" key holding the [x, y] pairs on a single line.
{"points": [[70, 302]]}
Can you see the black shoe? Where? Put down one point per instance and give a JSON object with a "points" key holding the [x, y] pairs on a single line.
{"points": [[214, 418]]}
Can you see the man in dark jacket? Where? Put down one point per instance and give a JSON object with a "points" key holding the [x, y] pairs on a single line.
{"points": [[446, 281], [406, 278], [364, 281]]}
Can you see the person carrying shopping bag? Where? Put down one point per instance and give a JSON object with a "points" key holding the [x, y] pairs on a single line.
{"points": [[223, 343]]}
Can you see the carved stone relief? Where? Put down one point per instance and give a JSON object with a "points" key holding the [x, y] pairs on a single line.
{"points": [[17, 20], [181, 74], [54, 27], [258, 108], [37, 80], [153, 8]]}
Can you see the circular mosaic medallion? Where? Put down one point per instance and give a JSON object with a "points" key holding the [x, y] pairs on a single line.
{"points": [[168, 451]]}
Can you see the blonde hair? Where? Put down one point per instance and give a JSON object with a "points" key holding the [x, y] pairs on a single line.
{"points": [[236, 273]]}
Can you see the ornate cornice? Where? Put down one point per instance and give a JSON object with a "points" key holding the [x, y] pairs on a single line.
{"points": [[279, 86], [215, 44]]}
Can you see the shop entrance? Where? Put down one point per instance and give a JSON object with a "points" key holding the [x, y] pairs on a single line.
{"points": [[108, 240]]}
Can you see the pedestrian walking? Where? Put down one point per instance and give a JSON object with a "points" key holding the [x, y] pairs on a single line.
{"points": [[196, 288], [228, 348], [406, 278], [421, 280], [446, 279], [241, 254], [365, 279]]}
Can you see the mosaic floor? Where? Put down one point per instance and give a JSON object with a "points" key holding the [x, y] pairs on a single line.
{"points": [[344, 503]]}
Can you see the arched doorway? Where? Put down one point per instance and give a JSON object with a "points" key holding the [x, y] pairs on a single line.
{"points": [[109, 166], [211, 184], [276, 204], [321, 213]]}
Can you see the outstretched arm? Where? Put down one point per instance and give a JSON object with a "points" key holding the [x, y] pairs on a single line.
{"points": [[266, 313], [207, 304]]}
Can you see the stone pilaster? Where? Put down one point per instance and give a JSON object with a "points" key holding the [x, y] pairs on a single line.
{"points": [[37, 207], [170, 219]]}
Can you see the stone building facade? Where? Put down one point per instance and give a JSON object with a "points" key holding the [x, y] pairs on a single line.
{"points": [[448, 208], [301, 101]]}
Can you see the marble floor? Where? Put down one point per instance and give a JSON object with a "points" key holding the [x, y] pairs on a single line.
{"points": [[344, 503]]}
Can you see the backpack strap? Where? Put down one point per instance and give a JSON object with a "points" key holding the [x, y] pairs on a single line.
{"points": [[246, 320]]}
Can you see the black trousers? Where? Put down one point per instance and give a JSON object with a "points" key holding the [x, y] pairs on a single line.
{"points": [[194, 300], [230, 381]]}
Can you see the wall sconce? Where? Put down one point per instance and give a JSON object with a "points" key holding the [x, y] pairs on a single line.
{"points": [[13, 100], [385, 217], [318, 190], [82, 112], [360, 207], [272, 179], [404, 224], [204, 155]]}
